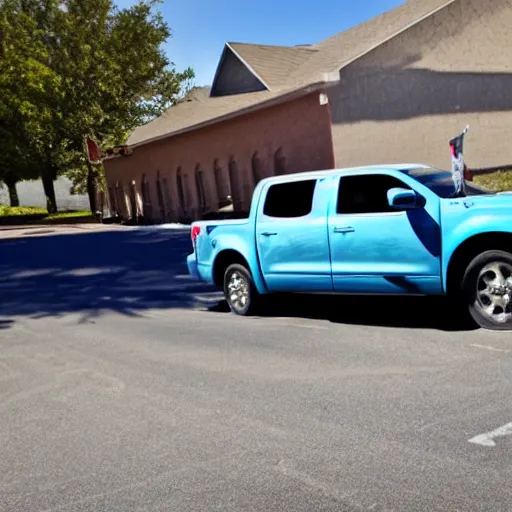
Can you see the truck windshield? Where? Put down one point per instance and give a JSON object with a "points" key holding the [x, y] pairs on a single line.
{"points": [[441, 182]]}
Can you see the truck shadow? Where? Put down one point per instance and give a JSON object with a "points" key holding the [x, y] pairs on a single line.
{"points": [[399, 312], [5, 324]]}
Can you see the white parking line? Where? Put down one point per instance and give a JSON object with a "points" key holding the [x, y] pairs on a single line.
{"points": [[285, 322], [487, 347], [282, 321], [487, 439], [304, 326]]}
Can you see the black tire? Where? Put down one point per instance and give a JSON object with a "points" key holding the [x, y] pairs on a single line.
{"points": [[242, 273], [470, 285]]}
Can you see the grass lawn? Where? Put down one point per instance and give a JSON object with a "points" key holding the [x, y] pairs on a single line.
{"points": [[34, 215], [499, 181]]}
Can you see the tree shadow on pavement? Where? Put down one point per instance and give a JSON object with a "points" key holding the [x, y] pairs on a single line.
{"points": [[125, 271]]}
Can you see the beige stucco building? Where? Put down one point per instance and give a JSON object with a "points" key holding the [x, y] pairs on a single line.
{"points": [[394, 89]]}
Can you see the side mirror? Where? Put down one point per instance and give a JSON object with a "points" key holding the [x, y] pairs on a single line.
{"points": [[402, 199]]}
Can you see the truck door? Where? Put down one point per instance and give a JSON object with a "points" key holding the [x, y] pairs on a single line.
{"points": [[377, 249], [291, 236]]}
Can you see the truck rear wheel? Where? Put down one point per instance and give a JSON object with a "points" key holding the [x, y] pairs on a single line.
{"points": [[487, 286], [239, 290]]}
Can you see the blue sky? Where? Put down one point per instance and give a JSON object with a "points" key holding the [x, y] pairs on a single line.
{"points": [[201, 27]]}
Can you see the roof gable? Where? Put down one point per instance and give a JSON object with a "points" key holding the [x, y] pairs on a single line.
{"points": [[235, 76]]}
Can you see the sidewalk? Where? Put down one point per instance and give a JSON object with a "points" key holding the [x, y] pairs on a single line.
{"points": [[37, 230], [67, 229]]}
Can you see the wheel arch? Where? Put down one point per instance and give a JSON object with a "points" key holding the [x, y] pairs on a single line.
{"points": [[469, 249], [222, 261]]}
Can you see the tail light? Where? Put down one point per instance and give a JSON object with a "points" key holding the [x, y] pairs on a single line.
{"points": [[194, 233], [468, 176]]}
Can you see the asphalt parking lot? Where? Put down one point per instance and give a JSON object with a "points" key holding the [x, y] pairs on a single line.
{"points": [[125, 386]]}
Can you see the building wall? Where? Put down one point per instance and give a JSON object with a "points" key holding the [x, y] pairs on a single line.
{"points": [[405, 100], [31, 193], [293, 137]]}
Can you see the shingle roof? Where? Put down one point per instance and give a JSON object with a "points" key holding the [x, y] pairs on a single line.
{"points": [[340, 49], [285, 69], [199, 109], [273, 63]]}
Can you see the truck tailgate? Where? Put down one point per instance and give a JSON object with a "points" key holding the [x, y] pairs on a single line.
{"points": [[203, 233]]}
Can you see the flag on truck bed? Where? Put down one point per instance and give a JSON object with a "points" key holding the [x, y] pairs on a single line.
{"points": [[458, 167]]}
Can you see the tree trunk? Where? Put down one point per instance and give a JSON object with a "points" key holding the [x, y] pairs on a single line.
{"points": [[13, 193], [49, 192], [92, 187]]}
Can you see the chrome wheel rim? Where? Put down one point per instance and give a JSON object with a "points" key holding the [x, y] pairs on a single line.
{"points": [[238, 290], [494, 291]]}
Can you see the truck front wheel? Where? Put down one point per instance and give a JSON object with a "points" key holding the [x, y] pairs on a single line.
{"points": [[239, 290], [487, 286]]}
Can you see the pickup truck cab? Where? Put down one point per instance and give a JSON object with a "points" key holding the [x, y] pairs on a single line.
{"points": [[395, 229]]}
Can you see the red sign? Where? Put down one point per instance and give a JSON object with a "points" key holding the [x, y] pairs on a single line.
{"points": [[93, 151]]}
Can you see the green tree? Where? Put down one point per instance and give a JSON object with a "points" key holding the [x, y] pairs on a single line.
{"points": [[26, 83], [107, 74], [117, 75]]}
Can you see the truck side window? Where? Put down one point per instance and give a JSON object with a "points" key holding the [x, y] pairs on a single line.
{"points": [[289, 200], [366, 193]]}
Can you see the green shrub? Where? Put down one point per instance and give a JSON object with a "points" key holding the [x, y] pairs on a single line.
{"points": [[499, 181], [33, 215], [8, 211], [70, 214]]}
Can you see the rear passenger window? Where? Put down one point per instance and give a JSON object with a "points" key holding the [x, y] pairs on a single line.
{"points": [[289, 200]]}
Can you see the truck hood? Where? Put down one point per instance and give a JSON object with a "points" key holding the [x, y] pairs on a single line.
{"points": [[501, 200]]}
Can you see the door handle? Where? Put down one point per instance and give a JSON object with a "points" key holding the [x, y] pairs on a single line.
{"points": [[267, 233], [344, 229]]}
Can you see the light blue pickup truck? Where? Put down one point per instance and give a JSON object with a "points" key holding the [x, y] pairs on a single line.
{"points": [[394, 229]]}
